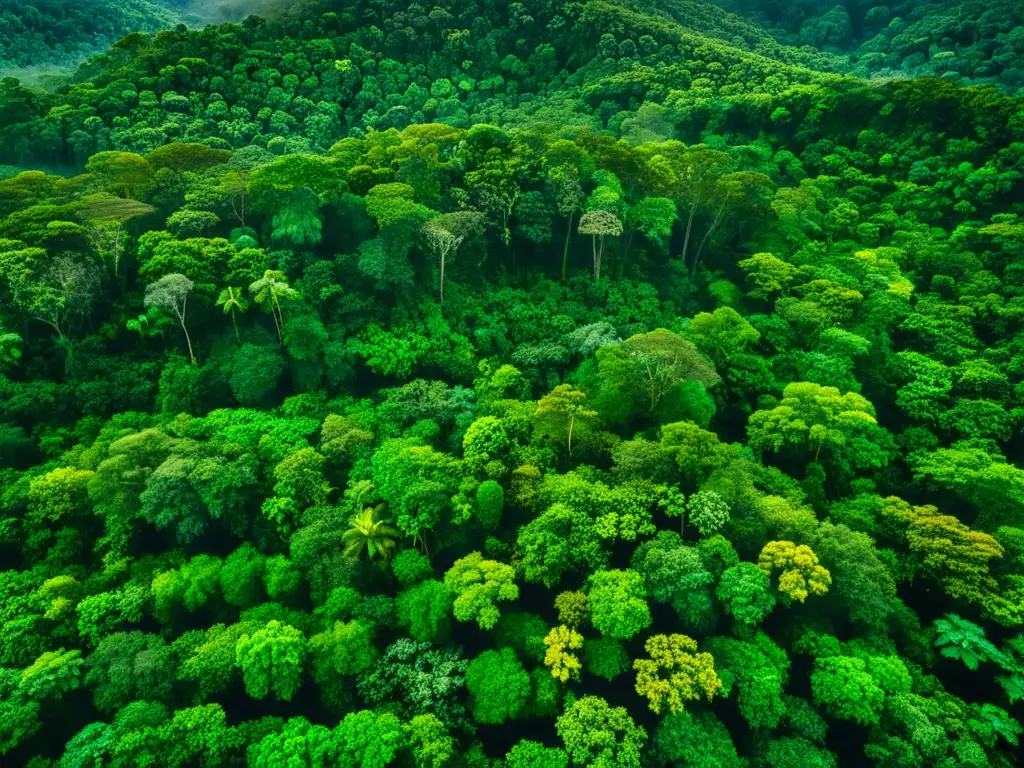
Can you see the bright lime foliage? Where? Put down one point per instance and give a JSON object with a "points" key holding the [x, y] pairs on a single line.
{"points": [[464, 384], [675, 673], [477, 585], [617, 605], [271, 660]]}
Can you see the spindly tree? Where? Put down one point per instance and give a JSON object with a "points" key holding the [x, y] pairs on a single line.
{"points": [[599, 225], [268, 292], [233, 302], [170, 293], [565, 180]]}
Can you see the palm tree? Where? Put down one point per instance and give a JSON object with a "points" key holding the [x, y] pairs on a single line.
{"points": [[269, 290], [367, 530], [233, 302]]}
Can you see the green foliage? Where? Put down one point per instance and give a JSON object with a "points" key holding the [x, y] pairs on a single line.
{"points": [[636, 314], [617, 605], [498, 686], [477, 585], [597, 734]]}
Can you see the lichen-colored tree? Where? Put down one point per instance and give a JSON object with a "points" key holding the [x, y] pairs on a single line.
{"points": [[800, 573], [572, 608], [675, 673], [564, 664]]}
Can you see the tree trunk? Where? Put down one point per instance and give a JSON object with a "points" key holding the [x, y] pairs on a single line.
{"points": [[117, 244], [277, 314], [565, 249], [234, 322], [442, 277], [188, 341], [277, 325], [572, 422], [689, 228], [700, 249], [625, 254]]}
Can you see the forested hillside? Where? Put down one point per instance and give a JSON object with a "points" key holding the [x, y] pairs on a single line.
{"points": [[53, 32], [514, 385]]}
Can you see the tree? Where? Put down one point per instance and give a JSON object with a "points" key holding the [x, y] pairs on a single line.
{"points": [[477, 585], [271, 660], [344, 650], [800, 576], [959, 558], [367, 531], [675, 673], [533, 754], [745, 592], [233, 302], [674, 573], [564, 664], [269, 291], [810, 415], [561, 411], [170, 293], [696, 740], [565, 179], [708, 512], [426, 610], [105, 215], [498, 686], [605, 657], [599, 735], [430, 742], [697, 452], [599, 225], [645, 368], [415, 679], [572, 608], [617, 605], [843, 686]]}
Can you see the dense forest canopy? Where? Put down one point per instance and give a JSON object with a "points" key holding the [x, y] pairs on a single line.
{"points": [[490, 384]]}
